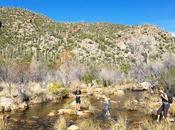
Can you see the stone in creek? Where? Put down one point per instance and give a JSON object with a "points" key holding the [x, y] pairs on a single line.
{"points": [[7, 103], [52, 113], [119, 93], [85, 114], [73, 127], [67, 111]]}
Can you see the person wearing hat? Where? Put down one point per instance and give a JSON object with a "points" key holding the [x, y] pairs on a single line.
{"points": [[163, 110]]}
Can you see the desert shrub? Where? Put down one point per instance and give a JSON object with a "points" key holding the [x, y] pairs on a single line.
{"points": [[107, 83], [88, 78], [124, 68], [58, 89], [63, 92]]}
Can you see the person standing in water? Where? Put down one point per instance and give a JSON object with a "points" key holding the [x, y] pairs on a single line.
{"points": [[78, 100], [163, 110], [107, 107]]}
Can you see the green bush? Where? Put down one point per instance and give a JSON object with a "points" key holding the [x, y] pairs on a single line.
{"points": [[124, 68], [107, 83], [63, 92], [88, 78], [58, 89]]}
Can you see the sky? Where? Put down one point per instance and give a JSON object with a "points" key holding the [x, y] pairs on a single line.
{"points": [[130, 12]]}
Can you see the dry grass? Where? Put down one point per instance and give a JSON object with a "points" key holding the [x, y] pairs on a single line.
{"points": [[151, 107], [120, 125], [88, 124], [60, 124], [3, 125], [150, 125], [172, 109]]}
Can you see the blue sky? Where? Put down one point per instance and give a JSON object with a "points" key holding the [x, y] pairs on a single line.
{"points": [[131, 12]]}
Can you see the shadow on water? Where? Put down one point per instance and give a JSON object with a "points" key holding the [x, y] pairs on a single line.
{"points": [[36, 117]]}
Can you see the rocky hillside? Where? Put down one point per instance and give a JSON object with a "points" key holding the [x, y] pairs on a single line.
{"points": [[27, 35]]}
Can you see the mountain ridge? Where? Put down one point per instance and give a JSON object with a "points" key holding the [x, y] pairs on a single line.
{"points": [[25, 34]]}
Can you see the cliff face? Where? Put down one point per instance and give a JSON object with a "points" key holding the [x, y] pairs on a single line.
{"points": [[28, 35]]}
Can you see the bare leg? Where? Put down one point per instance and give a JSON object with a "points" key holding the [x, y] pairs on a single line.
{"points": [[79, 107], [158, 118]]}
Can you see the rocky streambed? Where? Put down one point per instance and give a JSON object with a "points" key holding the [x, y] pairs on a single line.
{"points": [[135, 107], [44, 116]]}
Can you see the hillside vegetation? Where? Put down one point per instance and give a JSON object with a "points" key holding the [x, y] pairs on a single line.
{"points": [[37, 48]]}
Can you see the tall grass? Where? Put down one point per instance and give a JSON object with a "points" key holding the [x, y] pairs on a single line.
{"points": [[60, 124], [89, 124], [150, 125], [3, 125], [120, 125]]}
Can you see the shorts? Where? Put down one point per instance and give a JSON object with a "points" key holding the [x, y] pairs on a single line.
{"points": [[164, 108], [78, 101]]}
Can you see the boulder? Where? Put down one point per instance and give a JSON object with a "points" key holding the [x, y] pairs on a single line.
{"points": [[67, 111], [15, 92], [85, 114], [7, 109], [52, 113], [73, 127], [7, 103], [145, 85], [98, 90], [23, 106], [119, 93]]}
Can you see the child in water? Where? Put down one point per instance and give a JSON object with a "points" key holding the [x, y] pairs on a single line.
{"points": [[107, 107]]}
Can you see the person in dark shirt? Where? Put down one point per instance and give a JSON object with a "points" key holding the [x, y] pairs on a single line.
{"points": [[164, 107], [78, 100]]}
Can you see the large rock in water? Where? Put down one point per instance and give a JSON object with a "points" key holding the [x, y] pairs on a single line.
{"points": [[85, 114], [67, 111], [119, 93], [73, 127], [7, 104]]}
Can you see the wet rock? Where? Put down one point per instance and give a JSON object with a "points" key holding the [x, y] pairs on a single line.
{"points": [[73, 127], [37, 100], [23, 106], [67, 111], [7, 104], [119, 93], [85, 114], [52, 113], [14, 119]]}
